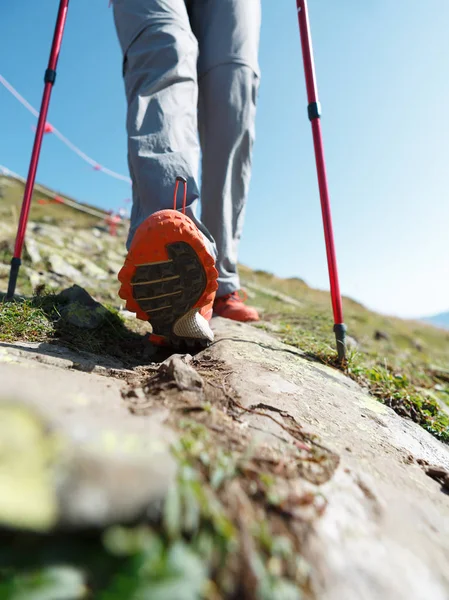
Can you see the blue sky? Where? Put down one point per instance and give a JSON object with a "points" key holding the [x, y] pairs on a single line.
{"points": [[383, 76]]}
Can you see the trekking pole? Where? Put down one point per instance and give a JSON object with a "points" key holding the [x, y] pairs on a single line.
{"points": [[314, 111], [49, 79]]}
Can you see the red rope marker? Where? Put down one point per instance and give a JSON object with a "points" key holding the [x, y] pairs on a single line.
{"points": [[52, 129]]}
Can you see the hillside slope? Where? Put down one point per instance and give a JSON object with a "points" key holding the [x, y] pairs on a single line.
{"points": [[254, 470], [440, 320], [404, 363]]}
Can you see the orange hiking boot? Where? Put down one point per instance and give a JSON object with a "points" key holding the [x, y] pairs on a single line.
{"points": [[232, 307], [170, 280]]}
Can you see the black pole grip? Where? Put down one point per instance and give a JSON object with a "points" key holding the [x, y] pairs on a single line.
{"points": [[314, 111], [50, 76], [340, 336], [13, 274]]}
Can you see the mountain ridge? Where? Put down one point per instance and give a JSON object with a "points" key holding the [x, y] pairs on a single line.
{"points": [[440, 320]]}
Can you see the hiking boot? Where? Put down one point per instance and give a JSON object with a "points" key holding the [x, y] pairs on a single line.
{"points": [[170, 280], [232, 307]]}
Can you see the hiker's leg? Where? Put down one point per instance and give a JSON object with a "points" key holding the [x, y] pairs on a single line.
{"points": [[228, 36], [160, 72]]}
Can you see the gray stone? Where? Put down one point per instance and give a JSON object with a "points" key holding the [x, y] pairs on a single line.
{"points": [[73, 454], [385, 532], [114, 267], [35, 277], [6, 231], [62, 267], [126, 314], [85, 240], [356, 553], [80, 309], [32, 249], [177, 370], [418, 345], [62, 357], [381, 335], [76, 293], [92, 270], [49, 219], [53, 234]]}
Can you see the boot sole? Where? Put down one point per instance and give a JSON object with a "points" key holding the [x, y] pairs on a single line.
{"points": [[163, 291]]}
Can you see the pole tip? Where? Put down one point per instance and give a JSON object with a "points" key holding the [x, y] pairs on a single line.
{"points": [[13, 274], [340, 337]]}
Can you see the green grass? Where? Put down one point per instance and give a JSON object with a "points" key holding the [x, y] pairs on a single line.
{"points": [[40, 319], [25, 321], [407, 371], [11, 203]]}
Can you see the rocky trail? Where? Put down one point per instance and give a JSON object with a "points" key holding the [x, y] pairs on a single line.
{"points": [[341, 479], [253, 470]]}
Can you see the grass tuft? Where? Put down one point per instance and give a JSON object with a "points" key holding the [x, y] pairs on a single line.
{"points": [[39, 319], [25, 320]]}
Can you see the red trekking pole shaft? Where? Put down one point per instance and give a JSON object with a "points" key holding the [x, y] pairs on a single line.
{"points": [[49, 79], [314, 111]]}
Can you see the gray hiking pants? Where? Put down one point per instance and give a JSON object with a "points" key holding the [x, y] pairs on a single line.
{"points": [[192, 66]]}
